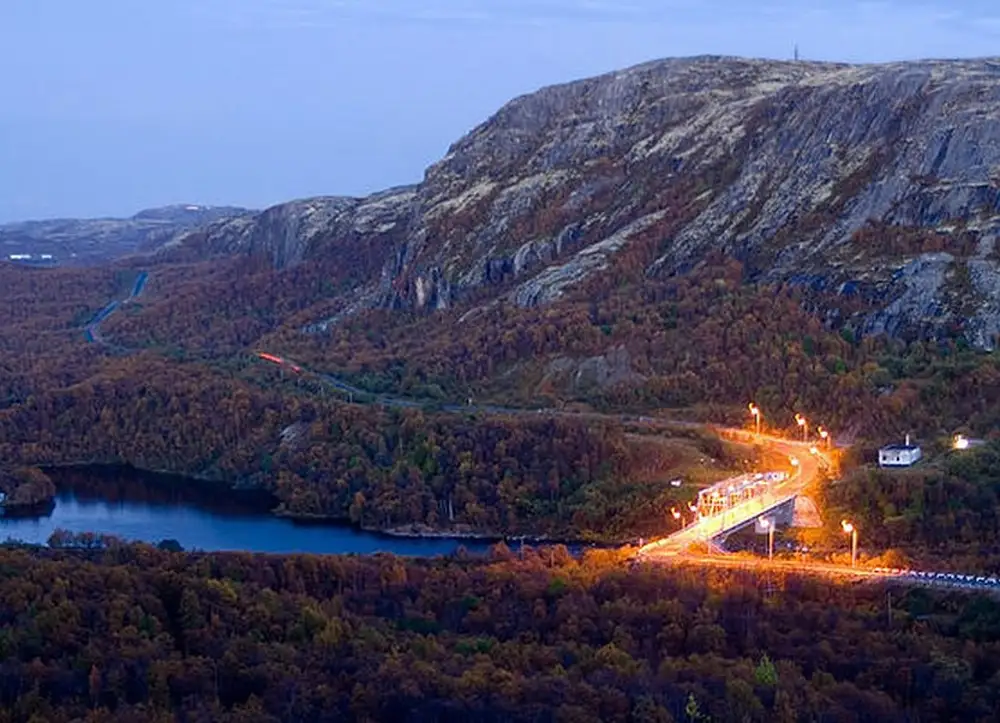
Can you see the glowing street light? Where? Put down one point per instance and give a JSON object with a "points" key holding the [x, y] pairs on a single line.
{"points": [[851, 530], [960, 442], [801, 421], [755, 412], [824, 435], [768, 524]]}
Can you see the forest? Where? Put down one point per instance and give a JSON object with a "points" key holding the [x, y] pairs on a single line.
{"points": [[177, 388], [377, 468], [112, 632]]}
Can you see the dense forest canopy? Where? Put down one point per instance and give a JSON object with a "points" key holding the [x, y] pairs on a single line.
{"points": [[131, 633]]}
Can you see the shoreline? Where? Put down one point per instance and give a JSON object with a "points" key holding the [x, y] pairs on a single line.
{"points": [[418, 531], [413, 530]]}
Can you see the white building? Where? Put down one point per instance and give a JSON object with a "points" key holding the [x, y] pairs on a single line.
{"points": [[899, 455]]}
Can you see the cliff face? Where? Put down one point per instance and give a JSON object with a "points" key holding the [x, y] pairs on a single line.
{"points": [[875, 185]]}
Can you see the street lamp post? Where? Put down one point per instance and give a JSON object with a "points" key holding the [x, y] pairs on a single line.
{"points": [[825, 436], [851, 530], [801, 421], [768, 525], [755, 411]]}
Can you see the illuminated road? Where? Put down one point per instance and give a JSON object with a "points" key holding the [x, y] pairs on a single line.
{"points": [[941, 580], [779, 493]]}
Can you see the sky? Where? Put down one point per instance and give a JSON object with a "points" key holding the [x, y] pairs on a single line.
{"points": [[111, 106]]}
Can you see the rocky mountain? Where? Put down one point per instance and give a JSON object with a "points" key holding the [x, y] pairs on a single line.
{"points": [[86, 241], [876, 187]]}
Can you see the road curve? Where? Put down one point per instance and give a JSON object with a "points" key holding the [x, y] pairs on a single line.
{"points": [[806, 470], [92, 331]]}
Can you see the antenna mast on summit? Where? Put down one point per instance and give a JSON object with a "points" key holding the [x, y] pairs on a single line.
{"points": [[796, 51]]}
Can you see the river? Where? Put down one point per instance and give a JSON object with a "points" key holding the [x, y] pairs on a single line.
{"points": [[147, 507]]}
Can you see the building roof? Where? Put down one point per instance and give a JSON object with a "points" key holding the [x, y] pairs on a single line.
{"points": [[900, 448]]}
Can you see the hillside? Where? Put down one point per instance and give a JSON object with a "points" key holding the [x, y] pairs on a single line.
{"points": [[876, 188], [99, 240], [585, 248]]}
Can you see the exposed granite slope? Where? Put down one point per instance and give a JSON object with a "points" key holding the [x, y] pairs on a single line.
{"points": [[880, 182]]}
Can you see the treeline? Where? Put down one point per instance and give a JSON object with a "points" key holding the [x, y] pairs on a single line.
{"points": [[377, 468], [132, 633]]}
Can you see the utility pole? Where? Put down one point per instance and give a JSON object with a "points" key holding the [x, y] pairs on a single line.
{"points": [[796, 51]]}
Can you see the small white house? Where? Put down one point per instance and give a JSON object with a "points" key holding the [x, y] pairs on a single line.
{"points": [[899, 455]]}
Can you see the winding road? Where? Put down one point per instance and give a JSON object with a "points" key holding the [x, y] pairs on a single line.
{"points": [[92, 332]]}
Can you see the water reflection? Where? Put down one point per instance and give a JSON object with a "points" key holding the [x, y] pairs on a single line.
{"points": [[140, 506]]}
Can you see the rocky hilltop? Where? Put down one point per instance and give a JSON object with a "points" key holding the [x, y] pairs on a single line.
{"points": [[876, 187], [86, 241]]}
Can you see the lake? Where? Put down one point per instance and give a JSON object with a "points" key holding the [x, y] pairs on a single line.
{"points": [[136, 505]]}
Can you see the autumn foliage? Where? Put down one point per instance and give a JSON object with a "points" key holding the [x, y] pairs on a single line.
{"points": [[130, 633]]}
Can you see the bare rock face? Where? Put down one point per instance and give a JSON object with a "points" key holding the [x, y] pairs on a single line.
{"points": [[288, 233], [601, 372], [877, 181]]}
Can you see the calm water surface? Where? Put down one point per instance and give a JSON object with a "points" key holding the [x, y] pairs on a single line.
{"points": [[140, 506]]}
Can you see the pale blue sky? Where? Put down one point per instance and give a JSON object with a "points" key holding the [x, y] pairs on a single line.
{"points": [[110, 106]]}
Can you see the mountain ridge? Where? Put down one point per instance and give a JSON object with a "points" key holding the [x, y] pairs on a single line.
{"points": [[876, 182]]}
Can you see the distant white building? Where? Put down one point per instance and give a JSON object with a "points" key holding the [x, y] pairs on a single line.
{"points": [[899, 455]]}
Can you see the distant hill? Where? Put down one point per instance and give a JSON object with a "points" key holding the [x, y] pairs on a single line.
{"points": [[90, 241]]}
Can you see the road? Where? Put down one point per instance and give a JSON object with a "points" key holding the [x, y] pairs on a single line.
{"points": [[674, 548], [92, 332], [387, 400], [805, 472], [941, 580]]}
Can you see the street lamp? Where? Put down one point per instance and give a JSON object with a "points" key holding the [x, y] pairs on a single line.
{"points": [[801, 421], [825, 436], [768, 525], [960, 442], [755, 412], [851, 530]]}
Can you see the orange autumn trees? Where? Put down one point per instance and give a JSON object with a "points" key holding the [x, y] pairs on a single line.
{"points": [[132, 633]]}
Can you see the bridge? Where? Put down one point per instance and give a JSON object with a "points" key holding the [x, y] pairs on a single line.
{"points": [[730, 505]]}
